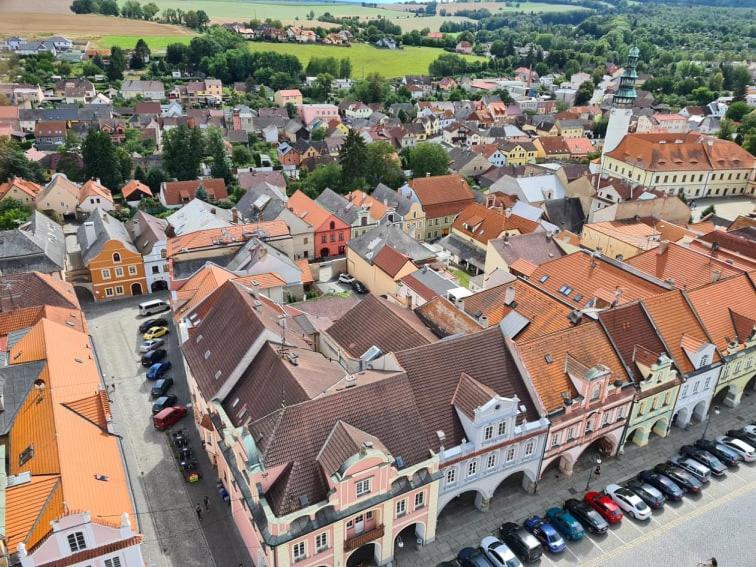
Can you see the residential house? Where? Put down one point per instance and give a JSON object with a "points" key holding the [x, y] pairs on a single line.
{"points": [[92, 196], [647, 361], [21, 190], [383, 256], [420, 287], [518, 153], [207, 91], [151, 90], [582, 388], [534, 189], [114, 264], [622, 239], [569, 128], [492, 153], [682, 164], [440, 198], [174, 194], [458, 134], [520, 254], [134, 191], [316, 115], [198, 215], [579, 148], [149, 236], [464, 47], [37, 245], [671, 123], [288, 96], [50, 134], [551, 148], [358, 210], [60, 196], [331, 234], [468, 163]]}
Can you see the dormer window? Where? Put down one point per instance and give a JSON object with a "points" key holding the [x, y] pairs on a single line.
{"points": [[704, 360], [596, 393], [116, 257], [76, 541], [362, 487]]}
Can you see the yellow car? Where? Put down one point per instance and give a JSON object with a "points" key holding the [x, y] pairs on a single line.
{"points": [[155, 332]]}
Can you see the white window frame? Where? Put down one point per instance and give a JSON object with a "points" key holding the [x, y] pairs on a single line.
{"points": [[132, 270], [511, 454], [362, 487], [76, 541], [108, 292], [472, 468], [299, 551], [488, 432], [105, 273], [419, 500], [555, 440], [491, 461], [119, 271], [451, 476], [114, 561], [529, 448], [321, 541], [117, 288], [401, 507], [502, 428]]}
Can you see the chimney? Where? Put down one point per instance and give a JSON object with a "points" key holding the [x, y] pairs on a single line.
{"points": [[507, 212], [89, 232], [715, 275], [483, 320], [509, 295], [235, 215], [490, 201], [662, 249]]}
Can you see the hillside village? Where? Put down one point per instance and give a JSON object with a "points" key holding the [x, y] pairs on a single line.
{"points": [[381, 303]]}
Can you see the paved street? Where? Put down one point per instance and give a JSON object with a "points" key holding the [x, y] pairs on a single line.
{"points": [[674, 536], [174, 537]]}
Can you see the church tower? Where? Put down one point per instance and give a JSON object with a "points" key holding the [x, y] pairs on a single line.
{"points": [[622, 104]]}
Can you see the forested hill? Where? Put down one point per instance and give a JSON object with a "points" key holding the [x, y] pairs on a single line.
{"points": [[709, 3]]}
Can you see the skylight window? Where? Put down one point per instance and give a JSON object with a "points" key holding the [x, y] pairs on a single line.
{"points": [[544, 278], [578, 297], [565, 290]]}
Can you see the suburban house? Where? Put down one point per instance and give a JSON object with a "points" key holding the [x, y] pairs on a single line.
{"points": [[383, 256], [50, 134], [174, 194], [148, 234], [38, 245], [115, 266], [92, 195], [647, 361], [21, 190], [361, 212], [331, 234], [134, 191], [441, 198], [150, 90], [583, 389], [518, 153], [60, 196]]}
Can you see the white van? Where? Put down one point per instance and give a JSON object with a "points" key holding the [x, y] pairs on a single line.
{"points": [[154, 306]]}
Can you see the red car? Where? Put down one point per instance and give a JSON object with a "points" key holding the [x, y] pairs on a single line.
{"points": [[605, 506]]}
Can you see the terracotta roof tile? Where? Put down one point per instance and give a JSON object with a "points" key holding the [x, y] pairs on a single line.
{"points": [[213, 237], [678, 326], [470, 395], [201, 284], [390, 261], [95, 552], [522, 266], [724, 308], [176, 192], [484, 224], [445, 319], [685, 267], [133, 186], [304, 265], [24, 505], [94, 189], [742, 241], [33, 289], [442, 195], [546, 358], [312, 213], [345, 441]]}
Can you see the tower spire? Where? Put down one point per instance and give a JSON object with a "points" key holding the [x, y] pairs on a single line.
{"points": [[622, 104]]}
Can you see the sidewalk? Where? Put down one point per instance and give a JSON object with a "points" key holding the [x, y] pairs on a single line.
{"points": [[461, 525]]}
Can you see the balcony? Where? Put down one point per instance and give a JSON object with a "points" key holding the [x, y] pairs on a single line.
{"points": [[363, 538]]}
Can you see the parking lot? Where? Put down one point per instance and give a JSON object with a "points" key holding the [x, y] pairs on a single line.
{"points": [[165, 504]]}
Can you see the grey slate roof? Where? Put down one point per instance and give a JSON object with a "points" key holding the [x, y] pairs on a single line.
{"points": [[262, 202], [146, 231], [387, 195], [37, 246], [536, 248], [106, 228], [338, 205], [15, 383], [566, 213], [369, 244]]}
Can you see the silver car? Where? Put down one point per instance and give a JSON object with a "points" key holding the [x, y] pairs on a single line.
{"points": [[698, 470], [151, 345]]}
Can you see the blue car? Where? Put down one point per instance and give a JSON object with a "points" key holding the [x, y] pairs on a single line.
{"points": [[546, 534], [157, 370], [565, 523]]}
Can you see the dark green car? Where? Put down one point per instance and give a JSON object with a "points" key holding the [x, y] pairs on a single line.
{"points": [[565, 523]]}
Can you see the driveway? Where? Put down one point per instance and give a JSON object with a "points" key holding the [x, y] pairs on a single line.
{"points": [[165, 504]]}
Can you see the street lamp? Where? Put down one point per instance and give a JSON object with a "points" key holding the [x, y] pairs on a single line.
{"points": [[708, 420], [596, 471]]}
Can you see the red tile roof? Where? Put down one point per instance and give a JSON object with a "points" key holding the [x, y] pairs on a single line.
{"points": [[133, 186], [178, 192], [390, 261], [213, 237], [442, 195], [484, 224]]}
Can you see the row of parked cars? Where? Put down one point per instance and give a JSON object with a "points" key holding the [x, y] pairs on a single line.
{"points": [[687, 472], [165, 410]]}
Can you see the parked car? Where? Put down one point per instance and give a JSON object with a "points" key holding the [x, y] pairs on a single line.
{"points": [[586, 515], [565, 523], [153, 344], [158, 369], [744, 435], [149, 323], [716, 466], [681, 477], [720, 451], [155, 332], [161, 387], [498, 553], [646, 492], [150, 358], [701, 472], [629, 502], [471, 557], [745, 450], [164, 402], [359, 287], [664, 484], [521, 541], [546, 534], [604, 506], [346, 278], [164, 419], [750, 428]]}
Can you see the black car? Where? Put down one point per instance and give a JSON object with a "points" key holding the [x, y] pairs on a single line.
{"points": [[720, 451], [150, 358], [650, 495], [164, 402], [359, 287], [472, 557], [149, 323], [161, 387], [716, 466], [664, 484], [591, 520], [521, 542], [680, 476], [743, 435]]}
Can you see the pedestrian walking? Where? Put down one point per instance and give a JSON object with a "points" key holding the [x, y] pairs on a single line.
{"points": [[198, 509], [113, 386], [207, 503]]}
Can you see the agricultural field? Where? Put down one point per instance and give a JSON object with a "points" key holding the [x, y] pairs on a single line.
{"points": [[493, 7]]}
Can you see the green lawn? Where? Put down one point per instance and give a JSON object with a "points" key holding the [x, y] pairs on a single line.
{"points": [[462, 277]]}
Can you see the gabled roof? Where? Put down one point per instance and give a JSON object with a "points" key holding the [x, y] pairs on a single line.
{"points": [[225, 236], [378, 322], [313, 213], [544, 313], [686, 268], [370, 244], [484, 224], [678, 326], [146, 231], [583, 276], [444, 318], [546, 360], [38, 245], [28, 187], [177, 192], [390, 261], [536, 247], [33, 289], [727, 309], [470, 395], [106, 228], [345, 441], [93, 188], [741, 241], [135, 186], [442, 195]]}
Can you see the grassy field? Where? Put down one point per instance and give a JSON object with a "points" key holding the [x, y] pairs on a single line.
{"points": [[365, 58], [492, 7]]}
